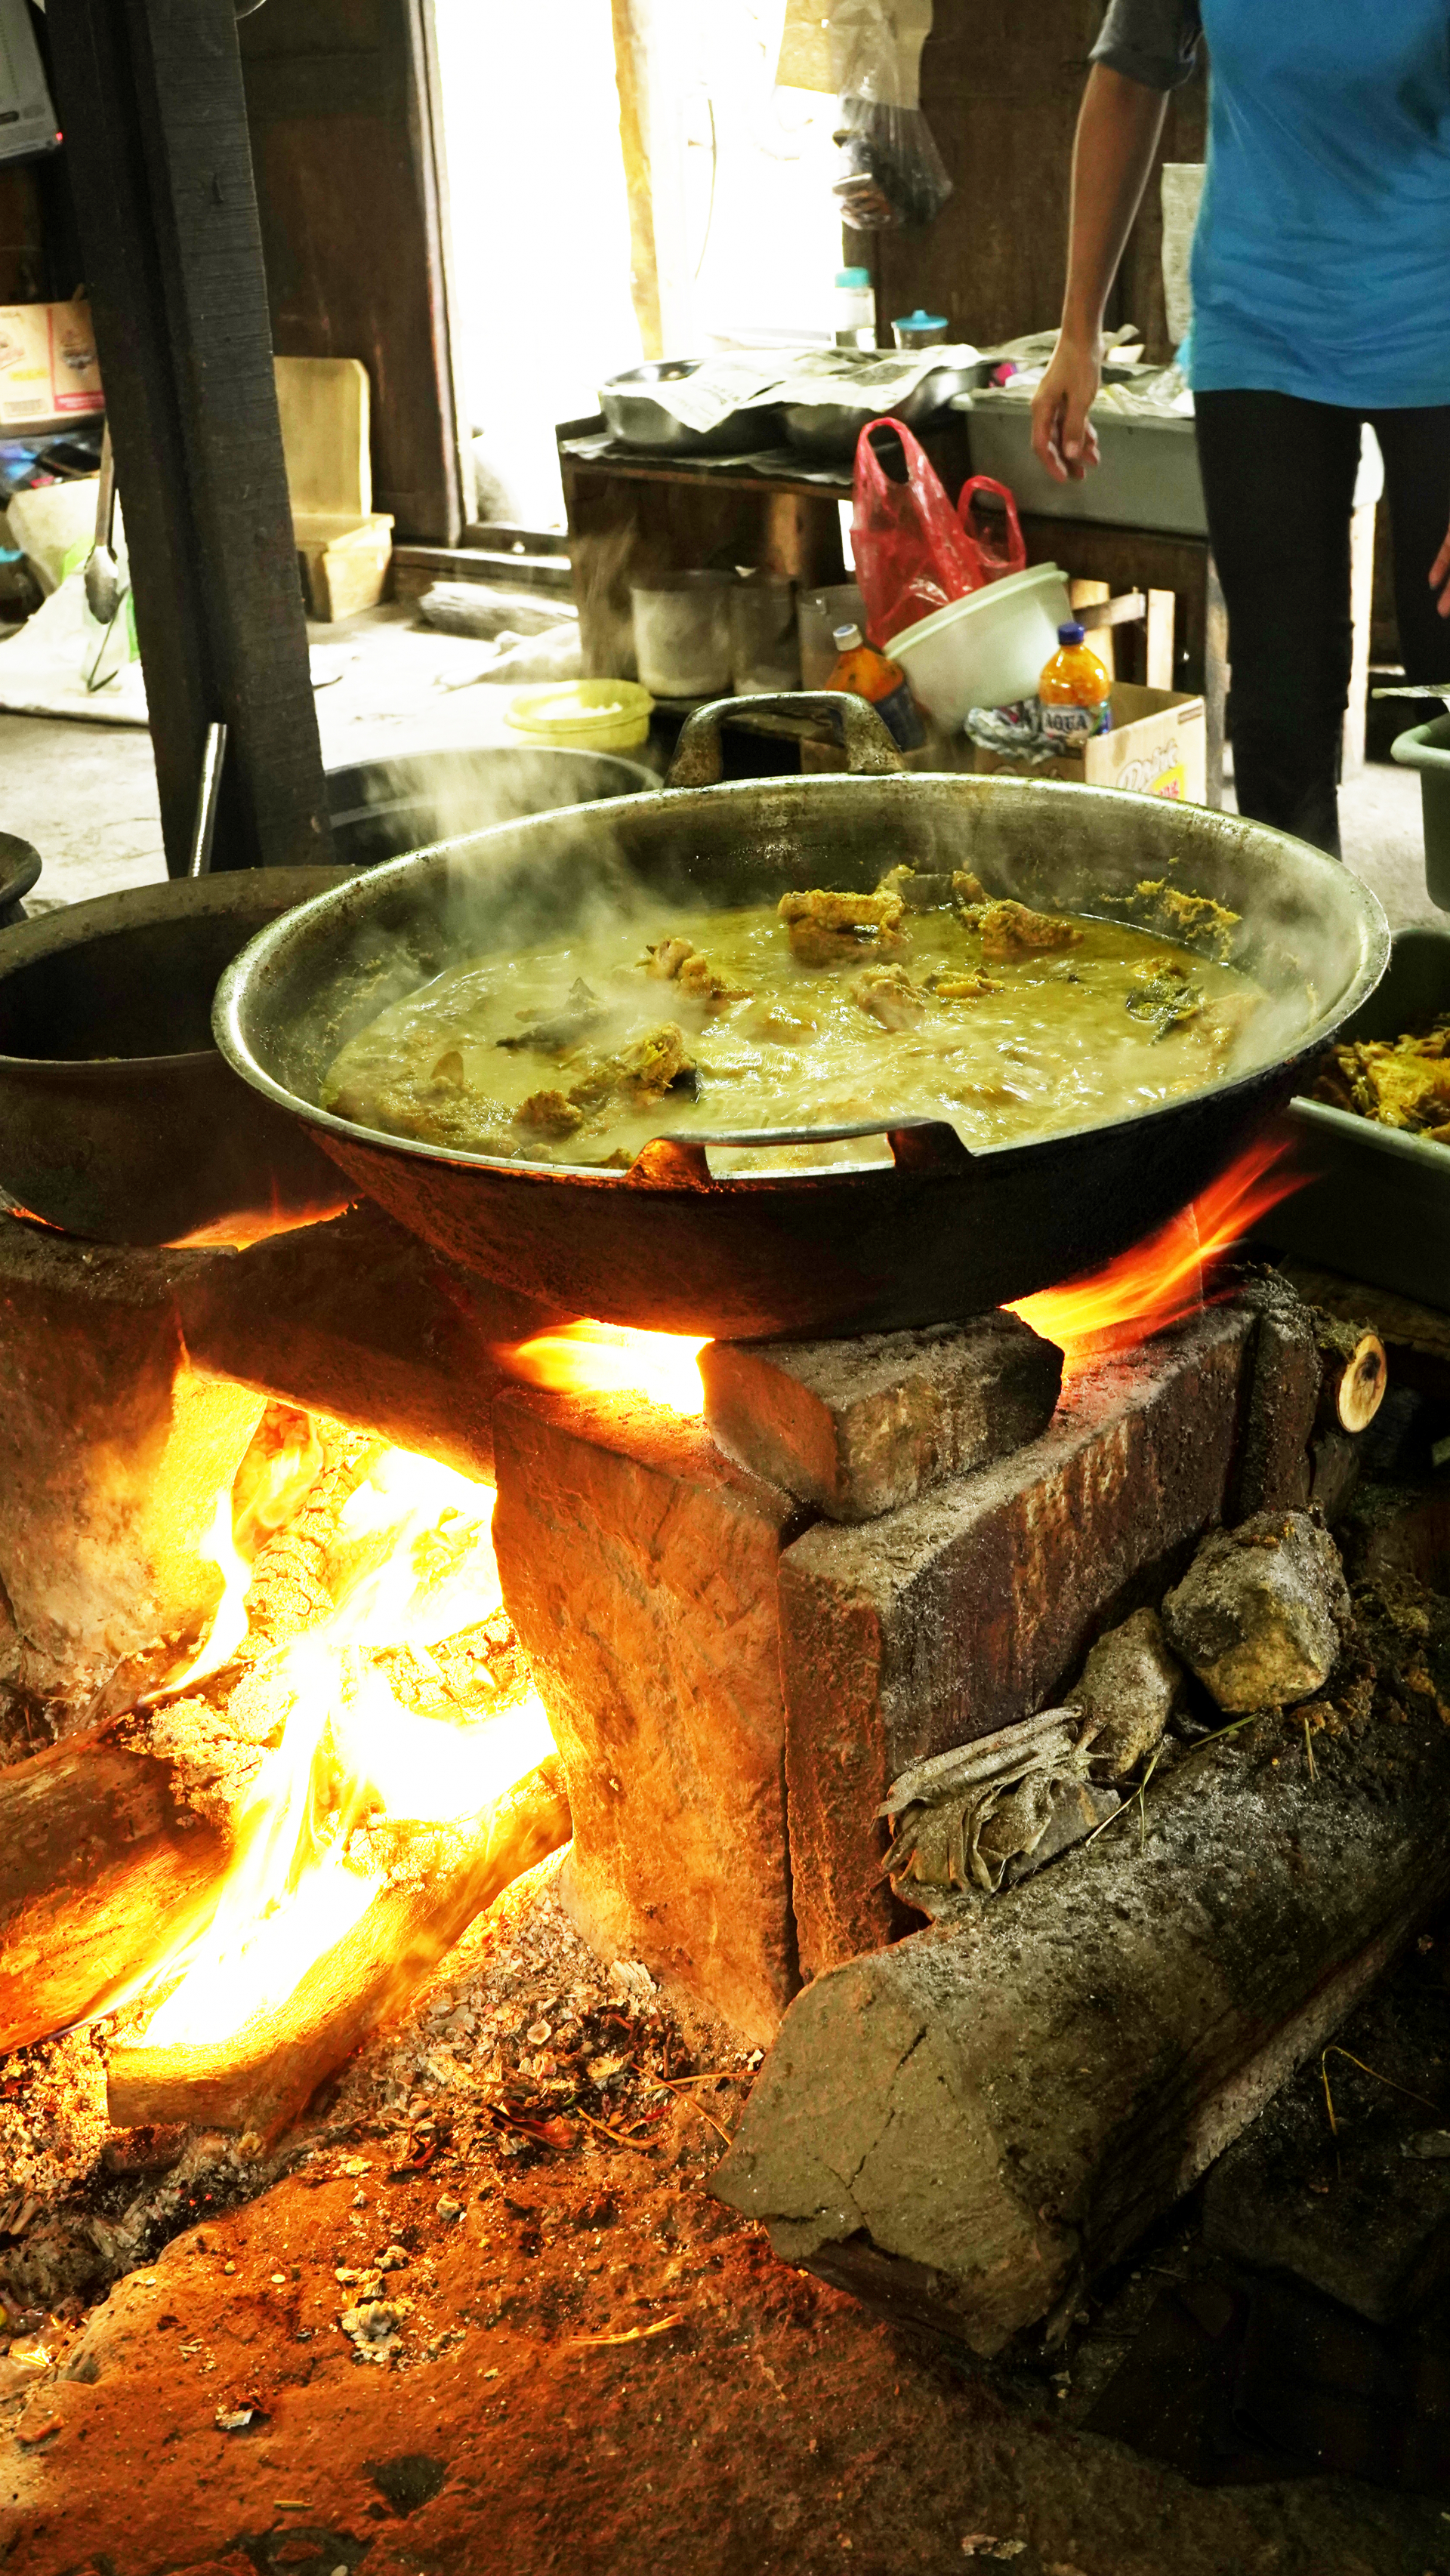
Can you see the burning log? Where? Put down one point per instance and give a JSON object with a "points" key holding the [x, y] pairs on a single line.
{"points": [[903, 2142], [260, 2077], [100, 1864]]}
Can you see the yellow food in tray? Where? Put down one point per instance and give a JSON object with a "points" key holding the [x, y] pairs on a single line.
{"points": [[924, 999], [1400, 1082]]}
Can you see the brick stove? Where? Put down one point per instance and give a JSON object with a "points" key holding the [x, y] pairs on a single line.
{"points": [[743, 1628], [737, 1671]]}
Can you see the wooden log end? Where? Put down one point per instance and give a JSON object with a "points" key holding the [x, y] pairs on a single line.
{"points": [[1359, 1389]]}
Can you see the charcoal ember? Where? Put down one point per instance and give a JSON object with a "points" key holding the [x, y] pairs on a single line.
{"points": [[1129, 1689], [1262, 1611]]}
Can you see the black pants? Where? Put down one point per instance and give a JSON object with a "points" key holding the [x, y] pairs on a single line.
{"points": [[1278, 479]]}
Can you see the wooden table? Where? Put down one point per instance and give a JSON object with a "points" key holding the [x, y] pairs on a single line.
{"points": [[635, 516], [632, 517]]}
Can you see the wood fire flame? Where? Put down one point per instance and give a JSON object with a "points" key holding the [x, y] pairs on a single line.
{"points": [[1160, 1280], [356, 1763]]}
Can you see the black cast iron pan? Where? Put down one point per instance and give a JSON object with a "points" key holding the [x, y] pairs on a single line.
{"points": [[940, 1232]]}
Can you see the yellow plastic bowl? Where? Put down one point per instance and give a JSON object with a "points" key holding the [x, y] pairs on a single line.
{"points": [[583, 715]]}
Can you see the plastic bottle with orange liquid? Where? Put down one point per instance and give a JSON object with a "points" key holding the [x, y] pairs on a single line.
{"points": [[869, 674], [1075, 692]]}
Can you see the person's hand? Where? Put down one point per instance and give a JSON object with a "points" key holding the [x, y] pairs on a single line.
{"points": [[1440, 577], [1063, 437]]}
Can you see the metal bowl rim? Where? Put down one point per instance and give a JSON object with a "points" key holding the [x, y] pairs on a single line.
{"points": [[1375, 949]]}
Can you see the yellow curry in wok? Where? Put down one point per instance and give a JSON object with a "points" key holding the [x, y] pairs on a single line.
{"points": [[923, 999]]}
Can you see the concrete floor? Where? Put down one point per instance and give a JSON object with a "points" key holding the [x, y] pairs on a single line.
{"points": [[85, 795]]}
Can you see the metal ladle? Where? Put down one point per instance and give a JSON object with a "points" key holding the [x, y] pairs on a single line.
{"points": [[104, 587]]}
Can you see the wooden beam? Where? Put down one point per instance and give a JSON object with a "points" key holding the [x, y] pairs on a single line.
{"points": [[150, 93]]}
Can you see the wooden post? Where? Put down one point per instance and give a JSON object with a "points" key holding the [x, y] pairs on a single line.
{"points": [[151, 98]]}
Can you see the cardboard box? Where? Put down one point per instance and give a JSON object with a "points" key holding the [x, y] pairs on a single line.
{"points": [[1157, 747], [48, 369]]}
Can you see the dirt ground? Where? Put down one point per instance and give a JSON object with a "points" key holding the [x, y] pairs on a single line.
{"points": [[549, 2347]]}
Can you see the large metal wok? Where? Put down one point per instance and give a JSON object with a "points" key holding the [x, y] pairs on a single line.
{"points": [[940, 1232]]}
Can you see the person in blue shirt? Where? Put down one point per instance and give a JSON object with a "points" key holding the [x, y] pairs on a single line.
{"points": [[1321, 300]]}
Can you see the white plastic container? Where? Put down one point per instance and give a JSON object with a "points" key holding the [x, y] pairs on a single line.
{"points": [[986, 650]]}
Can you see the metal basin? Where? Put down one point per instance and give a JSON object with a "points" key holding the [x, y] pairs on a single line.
{"points": [[943, 1231], [382, 809], [637, 420], [118, 1118]]}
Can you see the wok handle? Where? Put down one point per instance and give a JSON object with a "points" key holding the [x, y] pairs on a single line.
{"points": [[865, 739], [682, 1163]]}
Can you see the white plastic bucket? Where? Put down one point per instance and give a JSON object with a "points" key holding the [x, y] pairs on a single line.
{"points": [[985, 650], [583, 715]]}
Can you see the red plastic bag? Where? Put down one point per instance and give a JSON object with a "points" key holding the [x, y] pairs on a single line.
{"points": [[993, 566], [913, 554]]}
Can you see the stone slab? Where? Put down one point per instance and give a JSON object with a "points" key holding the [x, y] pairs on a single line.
{"points": [[1275, 1469], [640, 1569], [975, 1606], [858, 1428]]}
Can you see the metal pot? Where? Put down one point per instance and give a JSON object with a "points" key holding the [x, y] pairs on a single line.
{"points": [[382, 809], [19, 871], [944, 1231], [118, 1118]]}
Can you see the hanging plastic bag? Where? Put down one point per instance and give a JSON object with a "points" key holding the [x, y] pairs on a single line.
{"points": [[890, 171], [993, 563], [913, 554]]}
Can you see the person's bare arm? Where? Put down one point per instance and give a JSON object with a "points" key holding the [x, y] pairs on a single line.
{"points": [[1117, 137]]}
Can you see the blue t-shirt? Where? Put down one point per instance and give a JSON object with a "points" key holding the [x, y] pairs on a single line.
{"points": [[1321, 262]]}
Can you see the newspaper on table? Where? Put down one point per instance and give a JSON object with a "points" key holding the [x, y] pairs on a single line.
{"points": [[746, 379], [882, 377], [737, 380]]}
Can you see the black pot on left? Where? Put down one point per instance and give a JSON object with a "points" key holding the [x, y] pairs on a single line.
{"points": [[119, 1119]]}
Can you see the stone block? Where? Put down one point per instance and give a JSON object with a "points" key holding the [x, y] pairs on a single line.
{"points": [[359, 1319], [858, 1428], [975, 1606], [641, 1570], [113, 1451], [1262, 1612]]}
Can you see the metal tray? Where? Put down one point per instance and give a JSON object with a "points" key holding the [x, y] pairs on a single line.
{"points": [[832, 428], [1426, 747], [1378, 1208], [1148, 476], [638, 421]]}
